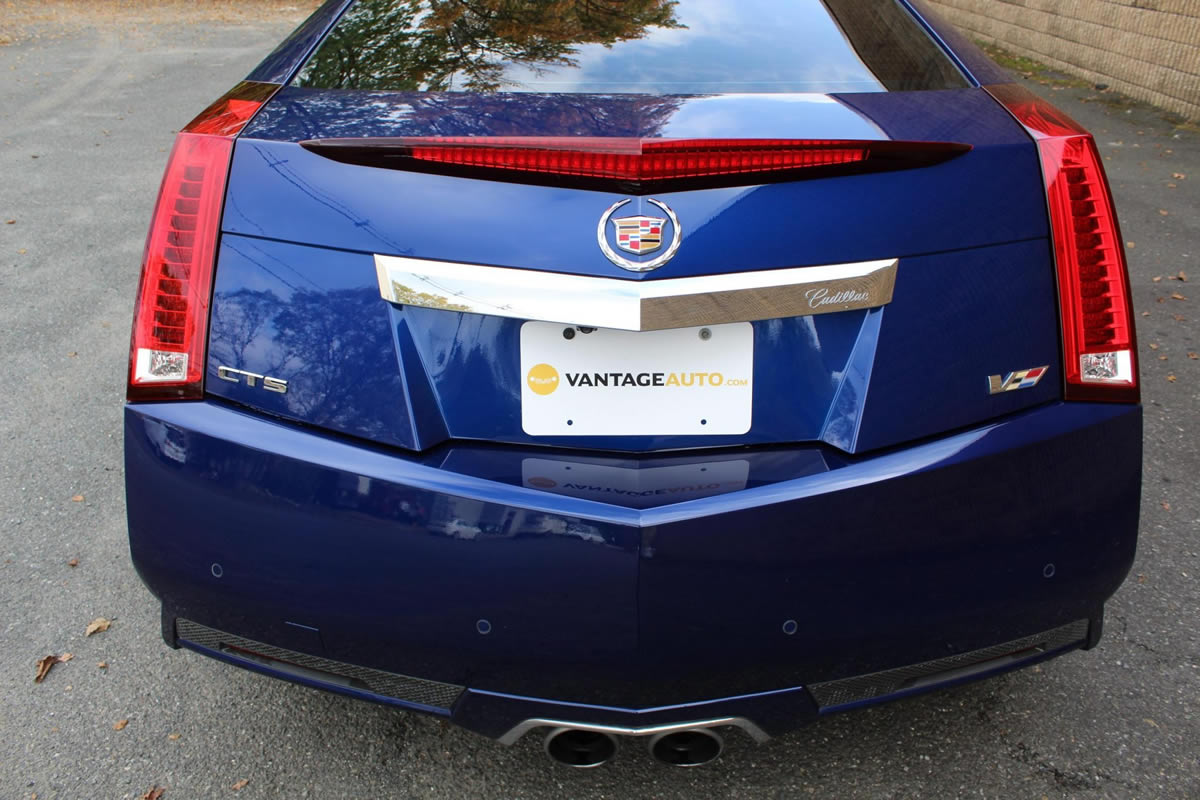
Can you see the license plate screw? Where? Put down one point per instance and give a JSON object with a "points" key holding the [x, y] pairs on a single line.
{"points": [[705, 334]]}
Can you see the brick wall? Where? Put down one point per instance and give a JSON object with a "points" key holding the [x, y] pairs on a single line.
{"points": [[1148, 49]]}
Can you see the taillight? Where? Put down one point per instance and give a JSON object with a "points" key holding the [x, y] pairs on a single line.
{"points": [[1099, 348], [635, 166], [169, 322]]}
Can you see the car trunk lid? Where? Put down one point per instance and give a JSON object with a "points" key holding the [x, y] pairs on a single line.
{"points": [[298, 293]]}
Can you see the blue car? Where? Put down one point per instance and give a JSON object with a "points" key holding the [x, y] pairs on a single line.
{"points": [[632, 368]]}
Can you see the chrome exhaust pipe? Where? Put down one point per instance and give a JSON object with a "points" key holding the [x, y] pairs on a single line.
{"points": [[691, 748], [579, 748]]}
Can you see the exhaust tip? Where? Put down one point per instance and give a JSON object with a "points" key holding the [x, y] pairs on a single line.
{"points": [[580, 748], [690, 748]]}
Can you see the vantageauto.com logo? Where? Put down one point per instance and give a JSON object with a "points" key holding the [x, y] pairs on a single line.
{"points": [[651, 379], [542, 379]]}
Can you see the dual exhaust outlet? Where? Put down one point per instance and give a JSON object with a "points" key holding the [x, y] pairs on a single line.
{"points": [[582, 748]]}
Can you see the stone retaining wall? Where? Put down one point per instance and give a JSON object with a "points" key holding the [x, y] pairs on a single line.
{"points": [[1147, 49]]}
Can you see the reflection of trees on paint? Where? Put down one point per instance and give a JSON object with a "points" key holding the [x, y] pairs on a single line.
{"points": [[406, 295], [331, 114], [329, 345], [439, 45], [237, 322]]}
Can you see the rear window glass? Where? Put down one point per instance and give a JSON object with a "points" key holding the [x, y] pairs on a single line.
{"points": [[629, 46]]}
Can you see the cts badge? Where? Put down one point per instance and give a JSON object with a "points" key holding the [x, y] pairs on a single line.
{"points": [[252, 379], [639, 235], [1021, 379]]}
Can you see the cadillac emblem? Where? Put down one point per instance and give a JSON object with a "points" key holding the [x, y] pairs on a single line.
{"points": [[639, 235]]}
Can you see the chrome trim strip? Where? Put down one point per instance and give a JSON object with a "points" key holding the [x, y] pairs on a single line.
{"points": [[635, 305], [522, 728]]}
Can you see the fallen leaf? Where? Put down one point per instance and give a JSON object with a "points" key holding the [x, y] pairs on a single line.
{"points": [[102, 664], [1172, 186], [43, 668], [10, 222], [1154, 345], [1160, 299], [1145, 313], [1156, 278], [44, 665], [22, 251], [74, 562], [153, 793], [1162, 358], [120, 724], [1150, 722], [1182, 276], [1141, 578], [77, 498], [1171, 378], [174, 737], [72, 354], [1177, 296], [1178, 176], [1166, 506], [1193, 356], [240, 784], [98, 625], [1130, 245], [1179, 317], [1164, 213]]}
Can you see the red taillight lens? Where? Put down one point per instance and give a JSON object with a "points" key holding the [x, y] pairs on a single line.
{"points": [[169, 321], [1099, 350], [634, 165], [635, 159]]}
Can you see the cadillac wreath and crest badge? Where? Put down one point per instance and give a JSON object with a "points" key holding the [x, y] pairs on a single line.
{"points": [[639, 235]]}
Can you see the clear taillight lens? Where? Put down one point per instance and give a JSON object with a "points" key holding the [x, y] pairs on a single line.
{"points": [[1099, 350], [170, 319]]}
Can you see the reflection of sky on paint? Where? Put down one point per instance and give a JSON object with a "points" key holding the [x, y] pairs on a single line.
{"points": [[813, 116], [747, 46]]}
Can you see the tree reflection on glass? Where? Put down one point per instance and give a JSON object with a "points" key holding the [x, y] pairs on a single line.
{"points": [[444, 45]]}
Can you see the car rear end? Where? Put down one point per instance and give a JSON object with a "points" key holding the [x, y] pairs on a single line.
{"points": [[850, 412]]}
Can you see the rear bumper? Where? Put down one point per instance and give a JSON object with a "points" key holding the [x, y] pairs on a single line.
{"points": [[442, 582]]}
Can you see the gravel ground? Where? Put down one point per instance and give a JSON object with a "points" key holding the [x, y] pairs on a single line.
{"points": [[90, 97]]}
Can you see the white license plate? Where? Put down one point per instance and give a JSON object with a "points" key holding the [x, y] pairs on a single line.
{"points": [[686, 381]]}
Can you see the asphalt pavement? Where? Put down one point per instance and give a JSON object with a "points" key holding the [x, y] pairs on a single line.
{"points": [[86, 119]]}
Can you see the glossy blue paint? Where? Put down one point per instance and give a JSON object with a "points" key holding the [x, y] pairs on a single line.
{"points": [[415, 377], [883, 504], [286, 59], [882, 560], [297, 114], [281, 191], [974, 297]]}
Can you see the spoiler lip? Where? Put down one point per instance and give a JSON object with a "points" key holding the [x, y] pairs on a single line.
{"points": [[516, 154]]}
